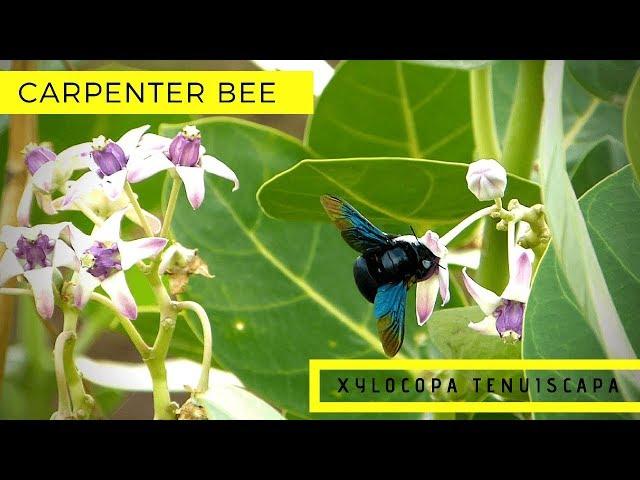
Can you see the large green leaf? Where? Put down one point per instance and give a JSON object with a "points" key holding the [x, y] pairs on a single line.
{"points": [[283, 293], [390, 108], [606, 157], [457, 64], [391, 192], [571, 240], [449, 336], [556, 325], [632, 125], [607, 80]]}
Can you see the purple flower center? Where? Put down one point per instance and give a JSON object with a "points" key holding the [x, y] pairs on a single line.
{"points": [[184, 150], [509, 317], [35, 253], [110, 158], [36, 157], [102, 260]]}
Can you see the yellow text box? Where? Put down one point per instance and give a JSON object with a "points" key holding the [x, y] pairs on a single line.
{"points": [[318, 406], [162, 92]]}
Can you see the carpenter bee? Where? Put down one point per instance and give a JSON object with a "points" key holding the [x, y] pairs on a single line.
{"points": [[387, 267]]}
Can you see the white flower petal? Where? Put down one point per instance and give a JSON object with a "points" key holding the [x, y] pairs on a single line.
{"points": [[154, 222], [519, 285], [113, 185], [76, 157], [487, 326], [426, 294], [193, 179], [433, 243], [109, 231], [129, 141], [9, 266], [41, 281], [43, 178], [46, 203], [443, 281], [117, 288], [51, 230], [24, 207], [153, 142], [64, 256], [85, 285], [215, 166], [9, 235], [486, 299], [86, 184], [79, 240], [136, 250], [141, 167]]}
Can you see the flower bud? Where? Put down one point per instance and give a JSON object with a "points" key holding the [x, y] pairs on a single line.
{"points": [[108, 156], [184, 150], [37, 155], [487, 179]]}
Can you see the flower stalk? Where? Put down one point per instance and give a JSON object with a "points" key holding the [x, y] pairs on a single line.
{"points": [[203, 383]]}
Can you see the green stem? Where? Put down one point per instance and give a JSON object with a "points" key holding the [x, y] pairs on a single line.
{"points": [[523, 130], [81, 403], [171, 206], [127, 325], [520, 146], [64, 401], [484, 130], [136, 205], [207, 349]]}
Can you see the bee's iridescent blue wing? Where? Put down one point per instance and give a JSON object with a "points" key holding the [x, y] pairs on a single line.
{"points": [[357, 231], [390, 305]]}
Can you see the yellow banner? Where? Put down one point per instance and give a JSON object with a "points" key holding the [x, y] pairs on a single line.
{"points": [[316, 405], [148, 92]]}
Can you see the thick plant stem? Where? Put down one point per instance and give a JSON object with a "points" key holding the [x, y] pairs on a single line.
{"points": [[207, 349], [494, 244], [22, 130], [81, 403], [520, 146], [64, 401]]}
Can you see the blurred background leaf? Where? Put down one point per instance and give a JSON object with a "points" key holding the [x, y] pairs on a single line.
{"points": [[632, 125], [608, 80], [395, 109], [606, 157]]}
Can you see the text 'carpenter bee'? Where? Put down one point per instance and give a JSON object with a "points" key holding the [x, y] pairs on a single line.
{"points": [[387, 267]]}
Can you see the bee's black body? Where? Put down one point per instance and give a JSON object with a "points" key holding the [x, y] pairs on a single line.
{"points": [[387, 267], [402, 260]]}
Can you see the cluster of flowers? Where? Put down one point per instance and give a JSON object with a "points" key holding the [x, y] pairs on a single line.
{"points": [[504, 313], [43, 254]]}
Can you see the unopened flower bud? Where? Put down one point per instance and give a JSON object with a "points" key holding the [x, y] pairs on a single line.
{"points": [[487, 179], [37, 155], [184, 150], [108, 155]]}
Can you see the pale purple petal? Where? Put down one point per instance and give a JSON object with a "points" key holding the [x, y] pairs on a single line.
{"points": [[129, 141], [141, 167], [154, 222], [426, 294], [113, 185], [109, 231], [43, 178], [117, 288], [519, 285], [64, 256], [9, 266], [76, 157], [86, 184], [24, 207], [153, 142], [46, 203], [486, 299], [85, 285], [136, 250], [193, 179], [486, 327], [79, 240], [215, 166], [41, 281], [433, 243], [443, 281]]}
